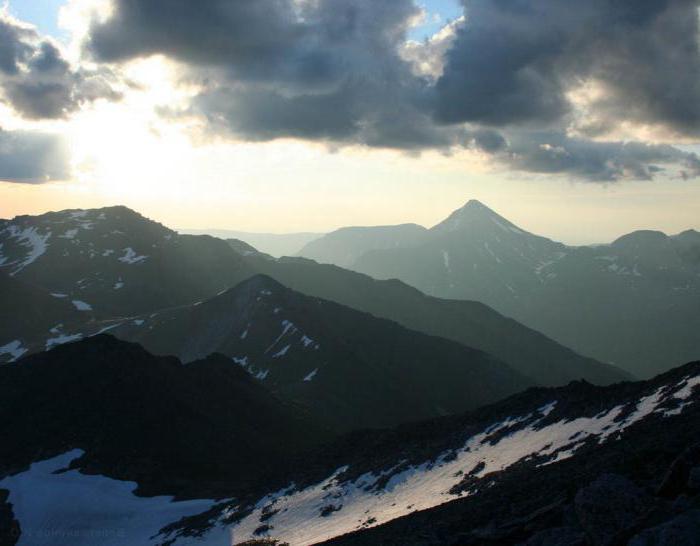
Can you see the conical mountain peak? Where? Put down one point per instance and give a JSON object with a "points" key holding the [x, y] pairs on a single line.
{"points": [[475, 215]]}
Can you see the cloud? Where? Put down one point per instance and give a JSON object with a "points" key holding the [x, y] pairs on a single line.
{"points": [[513, 79], [321, 70], [38, 82], [556, 153], [32, 157], [516, 63]]}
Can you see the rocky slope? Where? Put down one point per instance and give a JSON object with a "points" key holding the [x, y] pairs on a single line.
{"points": [[113, 261], [185, 429], [575, 465], [350, 369]]}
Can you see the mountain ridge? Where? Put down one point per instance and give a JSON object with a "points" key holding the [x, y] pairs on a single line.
{"points": [[350, 369], [577, 295]]}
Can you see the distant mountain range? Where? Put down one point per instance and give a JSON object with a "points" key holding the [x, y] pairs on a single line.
{"points": [[543, 466], [633, 302], [275, 244], [470, 323], [178, 390], [345, 246], [114, 264], [348, 369]]}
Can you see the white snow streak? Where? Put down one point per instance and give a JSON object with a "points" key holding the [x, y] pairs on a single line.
{"points": [[14, 349], [81, 305], [428, 484], [130, 256]]}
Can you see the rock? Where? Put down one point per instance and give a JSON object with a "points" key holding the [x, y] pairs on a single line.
{"points": [[694, 479], [558, 536], [683, 530], [611, 508], [9, 526], [677, 476]]}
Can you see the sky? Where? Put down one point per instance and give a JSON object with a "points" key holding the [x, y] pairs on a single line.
{"points": [[579, 121]]}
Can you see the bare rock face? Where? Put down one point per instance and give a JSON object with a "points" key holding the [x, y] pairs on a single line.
{"points": [[610, 508], [558, 536], [9, 526], [683, 530]]}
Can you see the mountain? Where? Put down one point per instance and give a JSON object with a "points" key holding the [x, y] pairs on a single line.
{"points": [[172, 428], [344, 246], [113, 261], [572, 465], [28, 312], [275, 244], [91, 285], [575, 465], [473, 254], [469, 323], [632, 303], [349, 369]]}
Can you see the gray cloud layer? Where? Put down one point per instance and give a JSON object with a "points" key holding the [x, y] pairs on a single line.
{"points": [[331, 70], [515, 61], [37, 81], [33, 158]]}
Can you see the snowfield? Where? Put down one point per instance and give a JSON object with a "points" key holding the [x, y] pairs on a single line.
{"points": [[336, 506], [73, 509]]}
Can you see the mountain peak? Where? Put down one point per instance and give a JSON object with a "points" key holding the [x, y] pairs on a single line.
{"points": [[475, 215], [477, 205]]}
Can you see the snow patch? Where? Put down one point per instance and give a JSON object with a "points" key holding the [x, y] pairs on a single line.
{"points": [[35, 242], [287, 326], [130, 256], [241, 361], [446, 260], [311, 376], [60, 340], [81, 305], [281, 352], [14, 349], [74, 509], [69, 234]]}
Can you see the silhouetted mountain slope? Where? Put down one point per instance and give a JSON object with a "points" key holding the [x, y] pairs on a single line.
{"points": [[632, 303], [28, 312], [188, 429], [580, 464], [114, 261], [344, 246], [470, 323], [350, 369], [600, 464]]}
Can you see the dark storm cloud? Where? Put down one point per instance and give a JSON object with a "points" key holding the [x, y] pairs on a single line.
{"points": [[38, 82], [553, 152], [319, 70], [330, 70], [514, 61], [33, 158]]}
